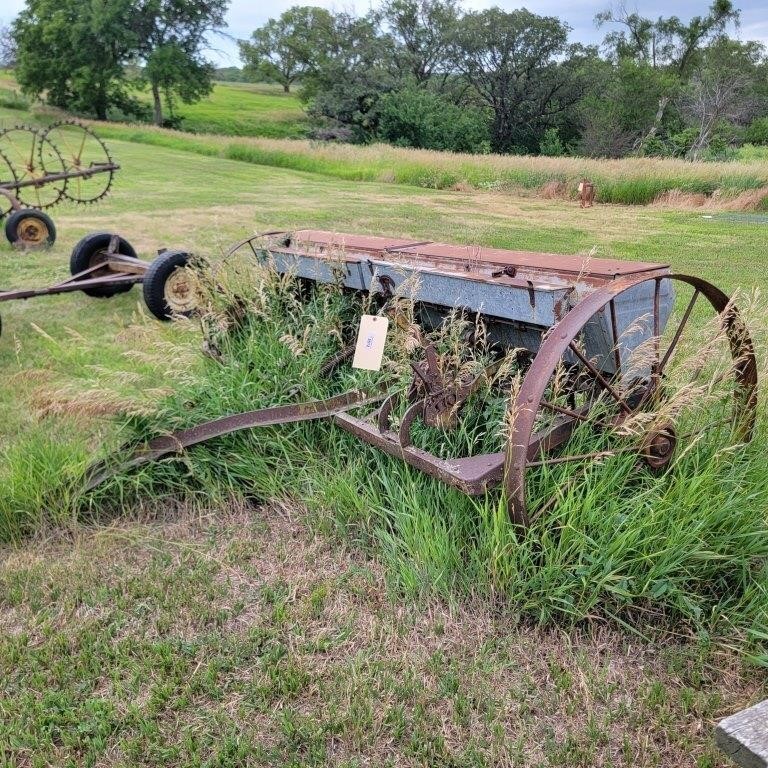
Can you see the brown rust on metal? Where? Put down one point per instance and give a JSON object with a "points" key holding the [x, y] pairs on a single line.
{"points": [[456, 257]]}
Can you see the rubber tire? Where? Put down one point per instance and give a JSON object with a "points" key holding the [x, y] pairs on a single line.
{"points": [[15, 217], [154, 282], [80, 260]]}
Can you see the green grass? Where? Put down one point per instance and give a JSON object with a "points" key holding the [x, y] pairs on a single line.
{"points": [[245, 109], [344, 617], [753, 152], [626, 182]]}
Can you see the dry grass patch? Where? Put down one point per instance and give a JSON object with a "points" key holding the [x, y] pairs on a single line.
{"points": [[241, 635]]}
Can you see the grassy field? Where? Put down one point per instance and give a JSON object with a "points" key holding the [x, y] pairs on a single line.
{"points": [[276, 628], [245, 109], [632, 181]]}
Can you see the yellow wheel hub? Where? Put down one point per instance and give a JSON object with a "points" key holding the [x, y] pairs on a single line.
{"points": [[181, 291], [32, 231]]}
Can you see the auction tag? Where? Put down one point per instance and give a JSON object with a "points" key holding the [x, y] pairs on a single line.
{"points": [[369, 349]]}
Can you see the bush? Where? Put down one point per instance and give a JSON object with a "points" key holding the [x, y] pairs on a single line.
{"points": [[551, 144], [757, 132], [415, 117]]}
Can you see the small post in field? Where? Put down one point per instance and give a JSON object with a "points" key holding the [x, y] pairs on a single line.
{"points": [[586, 193]]}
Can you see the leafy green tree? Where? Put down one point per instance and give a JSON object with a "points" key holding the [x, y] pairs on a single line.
{"points": [[423, 32], [74, 52], [172, 35], [284, 49], [511, 61], [666, 46], [349, 75]]}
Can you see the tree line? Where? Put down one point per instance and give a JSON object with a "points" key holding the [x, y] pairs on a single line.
{"points": [[417, 73], [426, 73]]}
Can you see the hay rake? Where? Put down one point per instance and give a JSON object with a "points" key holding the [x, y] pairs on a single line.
{"points": [[594, 341], [39, 168]]}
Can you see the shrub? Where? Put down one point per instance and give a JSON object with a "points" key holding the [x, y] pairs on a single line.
{"points": [[757, 131], [551, 144], [415, 117]]}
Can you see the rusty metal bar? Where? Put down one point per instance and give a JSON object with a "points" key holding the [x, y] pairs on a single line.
{"points": [[51, 177]]}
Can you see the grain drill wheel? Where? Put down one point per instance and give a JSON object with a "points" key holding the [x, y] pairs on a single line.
{"points": [[93, 250], [30, 230], [677, 389], [169, 288]]}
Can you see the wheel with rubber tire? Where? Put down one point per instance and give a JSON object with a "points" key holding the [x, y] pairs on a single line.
{"points": [[169, 288], [92, 250], [30, 229]]}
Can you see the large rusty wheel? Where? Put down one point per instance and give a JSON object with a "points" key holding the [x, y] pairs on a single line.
{"points": [[33, 156], [81, 151], [697, 360]]}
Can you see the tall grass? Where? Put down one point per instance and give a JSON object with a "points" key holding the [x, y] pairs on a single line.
{"points": [[684, 550], [631, 181]]}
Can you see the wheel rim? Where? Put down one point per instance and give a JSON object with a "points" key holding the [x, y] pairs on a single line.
{"points": [[658, 444], [181, 292], [32, 231], [33, 156], [81, 150]]}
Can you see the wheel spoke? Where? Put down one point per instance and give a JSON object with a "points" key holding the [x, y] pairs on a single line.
{"points": [[580, 457], [679, 332], [615, 334], [600, 378], [565, 411], [655, 374]]}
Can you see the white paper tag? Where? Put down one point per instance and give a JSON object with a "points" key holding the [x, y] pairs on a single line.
{"points": [[581, 187], [369, 349]]}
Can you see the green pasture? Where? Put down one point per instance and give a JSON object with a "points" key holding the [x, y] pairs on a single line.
{"points": [[245, 109]]}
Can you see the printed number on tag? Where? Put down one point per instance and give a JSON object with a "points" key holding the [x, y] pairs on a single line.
{"points": [[369, 349]]}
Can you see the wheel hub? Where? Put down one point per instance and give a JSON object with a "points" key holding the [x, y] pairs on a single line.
{"points": [[181, 292], [659, 447], [32, 231]]}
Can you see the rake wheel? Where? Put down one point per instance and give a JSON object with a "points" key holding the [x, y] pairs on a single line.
{"points": [[654, 405], [81, 150], [33, 157], [8, 179]]}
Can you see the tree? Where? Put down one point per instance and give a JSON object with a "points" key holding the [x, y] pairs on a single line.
{"points": [[721, 90], [171, 37], [666, 45], [7, 47], [283, 50], [423, 32], [349, 74], [74, 52], [511, 61]]}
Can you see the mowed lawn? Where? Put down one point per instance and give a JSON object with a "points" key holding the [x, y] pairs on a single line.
{"points": [[240, 635]]}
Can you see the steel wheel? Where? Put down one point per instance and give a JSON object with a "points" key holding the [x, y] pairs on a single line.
{"points": [[674, 389], [81, 150], [8, 181], [33, 156]]}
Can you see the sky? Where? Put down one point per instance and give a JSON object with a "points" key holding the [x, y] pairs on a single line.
{"points": [[246, 15]]}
